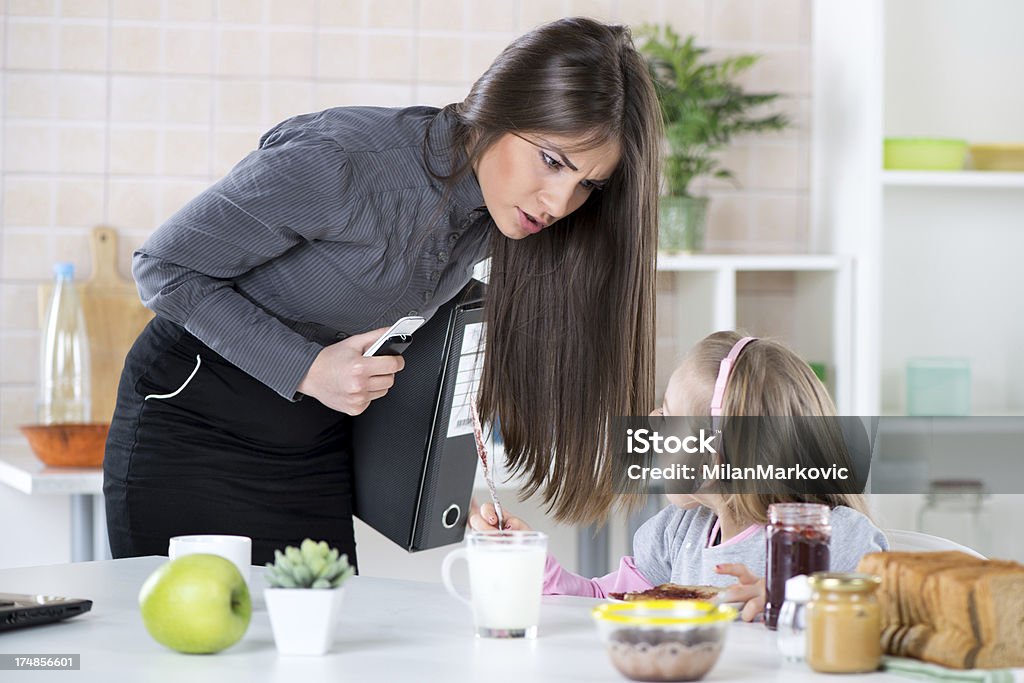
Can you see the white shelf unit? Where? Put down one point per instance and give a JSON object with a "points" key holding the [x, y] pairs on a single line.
{"points": [[938, 254], [965, 179], [819, 327]]}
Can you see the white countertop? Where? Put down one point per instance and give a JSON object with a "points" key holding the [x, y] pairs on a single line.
{"points": [[23, 471], [390, 631]]}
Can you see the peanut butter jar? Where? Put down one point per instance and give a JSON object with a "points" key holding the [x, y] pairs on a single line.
{"points": [[844, 623]]}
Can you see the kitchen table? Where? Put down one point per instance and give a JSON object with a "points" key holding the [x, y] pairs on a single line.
{"points": [[390, 630]]}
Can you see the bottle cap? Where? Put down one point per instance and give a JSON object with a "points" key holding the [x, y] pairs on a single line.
{"points": [[798, 589], [64, 269], [845, 582]]}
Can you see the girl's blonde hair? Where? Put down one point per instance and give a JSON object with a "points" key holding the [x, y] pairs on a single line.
{"points": [[769, 380]]}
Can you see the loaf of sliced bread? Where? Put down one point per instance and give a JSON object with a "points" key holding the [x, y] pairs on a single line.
{"points": [[950, 608]]}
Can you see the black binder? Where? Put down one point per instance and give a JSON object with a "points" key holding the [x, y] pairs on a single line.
{"points": [[414, 460]]}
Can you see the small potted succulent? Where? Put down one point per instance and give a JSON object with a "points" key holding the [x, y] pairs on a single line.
{"points": [[303, 596]]}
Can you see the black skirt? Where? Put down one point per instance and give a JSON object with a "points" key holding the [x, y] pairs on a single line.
{"points": [[214, 451]]}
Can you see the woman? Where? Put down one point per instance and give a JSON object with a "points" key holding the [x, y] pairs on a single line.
{"points": [[233, 408]]}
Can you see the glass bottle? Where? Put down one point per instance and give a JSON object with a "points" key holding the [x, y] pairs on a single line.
{"points": [[792, 626], [798, 536], [844, 623], [955, 509], [64, 381]]}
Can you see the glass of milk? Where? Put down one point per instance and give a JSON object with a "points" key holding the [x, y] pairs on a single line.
{"points": [[506, 576]]}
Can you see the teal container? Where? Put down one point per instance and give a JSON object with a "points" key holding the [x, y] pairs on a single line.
{"points": [[938, 387]]}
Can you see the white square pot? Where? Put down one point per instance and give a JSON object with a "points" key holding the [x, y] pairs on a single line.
{"points": [[303, 619]]}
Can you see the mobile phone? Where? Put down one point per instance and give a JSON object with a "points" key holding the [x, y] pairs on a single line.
{"points": [[397, 338]]}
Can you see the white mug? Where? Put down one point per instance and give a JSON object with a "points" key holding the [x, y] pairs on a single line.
{"points": [[506, 578], [238, 549]]}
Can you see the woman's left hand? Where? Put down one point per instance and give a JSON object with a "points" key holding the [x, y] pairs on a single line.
{"points": [[749, 590]]}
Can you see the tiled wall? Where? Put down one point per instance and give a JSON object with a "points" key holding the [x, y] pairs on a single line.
{"points": [[118, 111]]}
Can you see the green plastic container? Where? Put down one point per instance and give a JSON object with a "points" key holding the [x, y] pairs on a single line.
{"points": [[924, 154], [938, 386]]}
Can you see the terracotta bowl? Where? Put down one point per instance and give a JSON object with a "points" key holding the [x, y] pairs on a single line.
{"points": [[68, 445]]}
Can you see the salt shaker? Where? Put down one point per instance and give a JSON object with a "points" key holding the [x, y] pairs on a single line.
{"points": [[792, 627]]}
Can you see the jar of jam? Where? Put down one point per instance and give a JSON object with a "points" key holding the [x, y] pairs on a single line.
{"points": [[798, 535], [844, 623]]}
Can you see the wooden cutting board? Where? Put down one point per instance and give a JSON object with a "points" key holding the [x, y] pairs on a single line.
{"points": [[114, 317]]}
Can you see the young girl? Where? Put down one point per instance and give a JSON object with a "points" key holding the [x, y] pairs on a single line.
{"points": [[704, 538]]}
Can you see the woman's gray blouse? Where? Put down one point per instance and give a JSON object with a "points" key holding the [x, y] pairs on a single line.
{"points": [[333, 227]]}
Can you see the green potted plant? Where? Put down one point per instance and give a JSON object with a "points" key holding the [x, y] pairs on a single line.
{"points": [[304, 595], [703, 108]]}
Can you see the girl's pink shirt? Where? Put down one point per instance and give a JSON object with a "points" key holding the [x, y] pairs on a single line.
{"points": [[626, 579], [749, 531]]}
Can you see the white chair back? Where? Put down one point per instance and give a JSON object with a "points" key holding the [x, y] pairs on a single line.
{"points": [[900, 539]]}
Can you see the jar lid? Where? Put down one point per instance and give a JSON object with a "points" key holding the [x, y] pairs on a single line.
{"points": [[798, 589], [844, 582], [799, 513], [956, 486], [664, 612]]}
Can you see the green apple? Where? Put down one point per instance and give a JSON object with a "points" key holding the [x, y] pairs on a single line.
{"points": [[196, 604]]}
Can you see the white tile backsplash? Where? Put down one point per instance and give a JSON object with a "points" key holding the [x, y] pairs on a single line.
{"points": [[187, 101], [492, 16], [339, 55], [79, 9], [133, 151], [188, 50], [30, 147], [239, 103], [186, 152], [241, 11], [32, 8], [131, 204], [350, 13], [28, 201], [135, 99], [397, 14], [533, 13], [441, 15], [79, 202], [83, 47], [294, 12], [135, 48], [82, 97], [31, 44], [291, 54], [143, 10], [189, 10], [31, 96], [240, 52], [121, 111]]}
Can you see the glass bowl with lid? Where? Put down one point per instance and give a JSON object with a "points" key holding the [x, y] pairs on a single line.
{"points": [[664, 640]]}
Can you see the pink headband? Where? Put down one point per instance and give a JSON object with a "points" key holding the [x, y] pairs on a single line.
{"points": [[724, 370]]}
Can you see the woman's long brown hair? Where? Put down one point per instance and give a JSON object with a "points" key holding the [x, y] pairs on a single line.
{"points": [[570, 311]]}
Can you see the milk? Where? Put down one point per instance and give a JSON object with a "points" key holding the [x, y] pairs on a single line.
{"points": [[506, 578], [506, 584]]}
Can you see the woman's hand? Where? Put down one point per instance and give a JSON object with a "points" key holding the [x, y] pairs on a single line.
{"points": [[749, 589], [343, 379], [486, 519]]}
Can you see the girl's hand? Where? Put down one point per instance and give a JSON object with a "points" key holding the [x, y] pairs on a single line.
{"points": [[344, 380], [486, 519], [749, 589]]}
